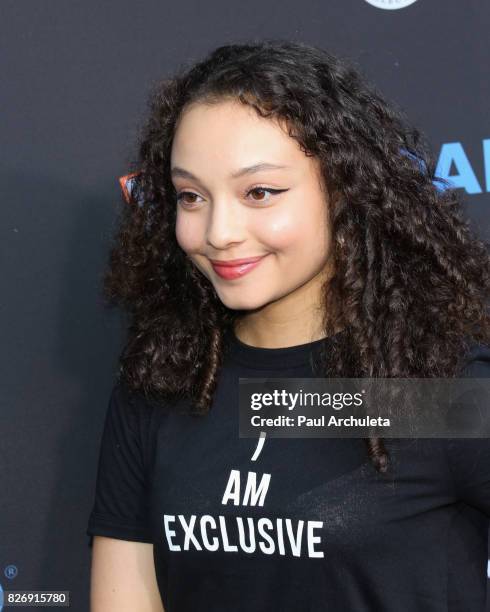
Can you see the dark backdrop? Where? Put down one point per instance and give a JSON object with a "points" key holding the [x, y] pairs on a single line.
{"points": [[75, 77]]}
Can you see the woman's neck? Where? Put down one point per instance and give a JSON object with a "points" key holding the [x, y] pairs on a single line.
{"points": [[268, 334]]}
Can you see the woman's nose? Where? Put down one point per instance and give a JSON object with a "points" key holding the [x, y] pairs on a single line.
{"points": [[225, 223]]}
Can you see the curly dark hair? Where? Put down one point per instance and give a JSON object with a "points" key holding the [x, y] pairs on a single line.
{"points": [[411, 279]]}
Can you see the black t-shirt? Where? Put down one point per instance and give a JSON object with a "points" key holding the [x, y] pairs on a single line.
{"points": [[308, 525]]}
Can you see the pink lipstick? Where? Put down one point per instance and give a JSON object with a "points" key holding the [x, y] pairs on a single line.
{"points": [[235, 268]]}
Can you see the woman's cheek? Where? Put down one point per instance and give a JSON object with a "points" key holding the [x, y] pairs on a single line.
{"points": [[281, 231], [188, 233]]}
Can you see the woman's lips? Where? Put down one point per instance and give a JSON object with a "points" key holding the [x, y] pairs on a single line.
{"points": [[231, 270]]}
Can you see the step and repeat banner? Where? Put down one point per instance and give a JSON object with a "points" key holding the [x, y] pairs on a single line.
{"points": [[75, 80]]}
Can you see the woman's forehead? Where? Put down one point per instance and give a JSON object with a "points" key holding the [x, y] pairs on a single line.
{"points": [[229, 139]]}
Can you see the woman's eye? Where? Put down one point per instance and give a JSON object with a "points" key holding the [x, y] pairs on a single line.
{"points": [[264, 189], [260, 191], [186, 193]]}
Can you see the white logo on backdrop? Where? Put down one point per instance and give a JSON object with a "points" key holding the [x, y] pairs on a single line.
{"points": [[390, 5]]}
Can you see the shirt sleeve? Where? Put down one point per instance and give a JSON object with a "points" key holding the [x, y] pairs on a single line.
{"points": [[469, 458], [120, 508]]}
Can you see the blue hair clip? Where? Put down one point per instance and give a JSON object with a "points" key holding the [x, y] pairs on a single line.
{"points": [[127, 183], [439, 184]]}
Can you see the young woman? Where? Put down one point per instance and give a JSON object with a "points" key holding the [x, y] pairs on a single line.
{"points": [[284, 220]]}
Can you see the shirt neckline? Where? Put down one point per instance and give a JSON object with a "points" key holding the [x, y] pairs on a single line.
{"points": [[256, 357]]}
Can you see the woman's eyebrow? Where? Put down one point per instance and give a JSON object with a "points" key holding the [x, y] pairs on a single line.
{"points": [[177, 171]]}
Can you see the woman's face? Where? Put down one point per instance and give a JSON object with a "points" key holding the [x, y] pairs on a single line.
{"points": [[226, 212]]}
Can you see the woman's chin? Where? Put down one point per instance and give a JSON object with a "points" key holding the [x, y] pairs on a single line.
{"points": [[241, 301]]}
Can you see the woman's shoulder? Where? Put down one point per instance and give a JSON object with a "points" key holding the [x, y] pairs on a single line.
{"points": [[139, 398], [136, 411], [476, 363]]}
